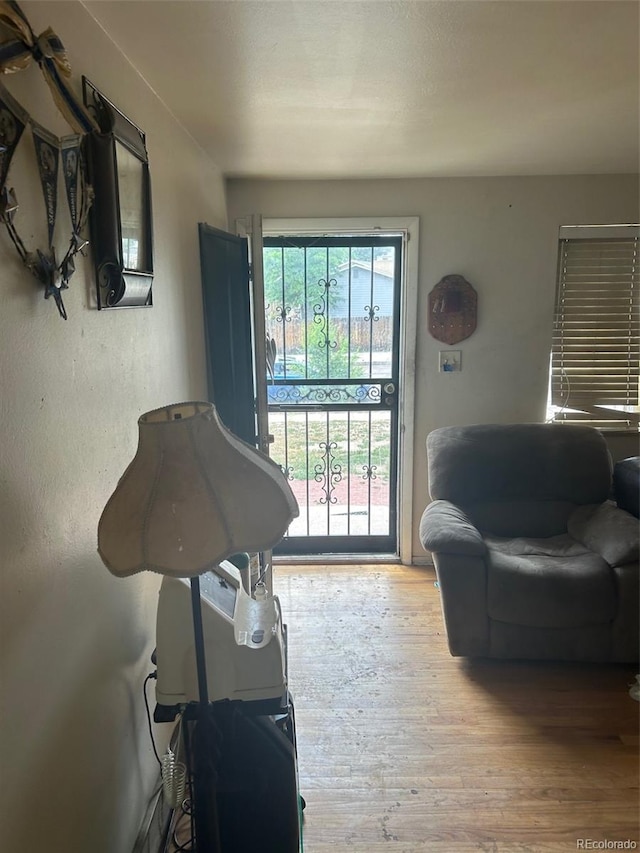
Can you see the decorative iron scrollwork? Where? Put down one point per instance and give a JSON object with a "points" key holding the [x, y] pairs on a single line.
{"points": [[282, 313], [328, 472], [287, 471], [311, 394], [321, 314], [370, 313], [110, 283]]}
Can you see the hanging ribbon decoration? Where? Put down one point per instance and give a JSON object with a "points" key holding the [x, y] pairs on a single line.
{"points": [[48, 52]]}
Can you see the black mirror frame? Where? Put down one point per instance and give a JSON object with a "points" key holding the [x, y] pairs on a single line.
{"points": [[117, 286]]}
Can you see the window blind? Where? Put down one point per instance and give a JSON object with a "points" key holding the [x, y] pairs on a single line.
{"points": [[596, 337]]}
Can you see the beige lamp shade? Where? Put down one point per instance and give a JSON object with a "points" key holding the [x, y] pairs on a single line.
{"points": [[193, 495]]}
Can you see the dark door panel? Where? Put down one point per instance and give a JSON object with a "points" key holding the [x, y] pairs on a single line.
{"points": [[227, 314]]}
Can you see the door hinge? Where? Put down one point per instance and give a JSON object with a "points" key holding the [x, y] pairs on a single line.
{"points": [[251, 272]]}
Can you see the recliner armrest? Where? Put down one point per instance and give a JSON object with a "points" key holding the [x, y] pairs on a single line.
{"points": [[445, 528], [607, 530]]}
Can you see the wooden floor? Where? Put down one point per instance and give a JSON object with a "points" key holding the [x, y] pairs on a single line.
{"points": [[404, 749]]}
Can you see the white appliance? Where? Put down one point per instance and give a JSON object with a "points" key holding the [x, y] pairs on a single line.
{"points": [[244, 641]]}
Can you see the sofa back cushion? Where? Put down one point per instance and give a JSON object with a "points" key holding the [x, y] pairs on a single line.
{"points": [[518, 462], [521, 518]]}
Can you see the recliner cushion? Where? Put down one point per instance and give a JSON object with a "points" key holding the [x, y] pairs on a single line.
{"points": [[548, 583], [521, 518], [607, 530]]}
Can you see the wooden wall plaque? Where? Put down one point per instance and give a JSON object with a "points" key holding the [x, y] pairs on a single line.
{"points": [[453, 305]]}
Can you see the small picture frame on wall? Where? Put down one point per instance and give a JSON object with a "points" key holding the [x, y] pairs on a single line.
{"points": [[450, 361]]}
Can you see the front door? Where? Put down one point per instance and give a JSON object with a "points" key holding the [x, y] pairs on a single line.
{"points": [[224, 266], [332, 325]]}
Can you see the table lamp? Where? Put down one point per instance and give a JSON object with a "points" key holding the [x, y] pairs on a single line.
{"points": [[193, 495]]}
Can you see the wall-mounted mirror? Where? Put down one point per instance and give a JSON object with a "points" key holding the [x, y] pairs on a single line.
{"points": [[120, 219]]}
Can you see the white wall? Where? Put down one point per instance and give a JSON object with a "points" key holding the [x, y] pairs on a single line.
{"points": [[502, 235], [76, 768]]}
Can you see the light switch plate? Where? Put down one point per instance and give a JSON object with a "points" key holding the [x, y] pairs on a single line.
{"points": [[450, 361]]}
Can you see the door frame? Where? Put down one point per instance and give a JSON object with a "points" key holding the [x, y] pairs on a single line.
{"points": [[408, 227]]}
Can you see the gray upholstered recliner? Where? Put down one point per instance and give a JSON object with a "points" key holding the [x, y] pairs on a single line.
{"points": [[532, 559]]}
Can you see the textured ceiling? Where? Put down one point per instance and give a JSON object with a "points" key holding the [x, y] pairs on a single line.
{"points": [[298, 88]]}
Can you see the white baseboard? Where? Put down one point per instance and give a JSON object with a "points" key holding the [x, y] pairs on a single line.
{"points": [[422, 560]]}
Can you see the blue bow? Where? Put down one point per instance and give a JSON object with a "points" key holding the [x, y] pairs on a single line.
{"points": [[48, 51]]}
